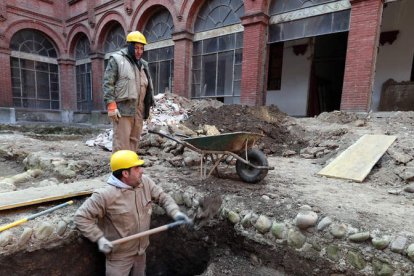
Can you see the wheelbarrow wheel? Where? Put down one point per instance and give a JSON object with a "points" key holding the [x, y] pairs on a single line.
{"points": [[248, 173]]}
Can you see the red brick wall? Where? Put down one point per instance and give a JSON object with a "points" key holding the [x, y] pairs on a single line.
{"points": [[67, 84], [5, 79], [254, 57], [182, 63], [97, 77], [361, 55]]}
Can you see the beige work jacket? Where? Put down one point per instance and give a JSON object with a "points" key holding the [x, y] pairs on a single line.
{"points": [[116, 212]]}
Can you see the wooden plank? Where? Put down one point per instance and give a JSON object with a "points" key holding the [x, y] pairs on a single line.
{"points": [[357, 161], [38, 195]]}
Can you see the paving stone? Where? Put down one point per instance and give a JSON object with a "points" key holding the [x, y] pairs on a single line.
{"points": [[263, 224], [25, 236], [398, 244], [356, 260], [44, 230], [233, 217], [278, 230], [296, 239]]}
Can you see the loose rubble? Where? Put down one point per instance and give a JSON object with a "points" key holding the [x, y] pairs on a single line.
{"points": [[353, 228]]}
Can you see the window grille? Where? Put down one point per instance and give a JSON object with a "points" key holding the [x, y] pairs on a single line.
{"points": [[34, 71], [83, 75], [217, 66], [115, 40], [282, 6], [159, 27], [217, 13], [160, 58], [217, 60]]}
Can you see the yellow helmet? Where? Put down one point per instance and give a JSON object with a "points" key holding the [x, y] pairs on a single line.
{"points": [[136, 37], [125, 159]]}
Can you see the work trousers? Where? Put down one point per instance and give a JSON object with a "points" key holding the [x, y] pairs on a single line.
{"points": [[127, 133], [128, 266]]}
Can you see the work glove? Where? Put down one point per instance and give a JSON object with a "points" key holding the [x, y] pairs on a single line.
{"points": [[113, 111], [104, 245], [181, 216]]}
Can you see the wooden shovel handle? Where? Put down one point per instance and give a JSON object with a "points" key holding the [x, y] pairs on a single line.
{"points": [[149, 232]]}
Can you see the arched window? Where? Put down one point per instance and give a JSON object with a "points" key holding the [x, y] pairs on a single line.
{"points": [[115, 39], [217, 13], [159, 27], [159, 52], [217, 60], [34, 71], [83, 75]]}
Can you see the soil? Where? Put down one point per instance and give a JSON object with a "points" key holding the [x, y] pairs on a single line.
{"points": [[268, 121], [379, 203]]}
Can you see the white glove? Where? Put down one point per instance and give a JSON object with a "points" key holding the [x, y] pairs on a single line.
{"points": [[114, 115], [104, 245], [181, 216]]}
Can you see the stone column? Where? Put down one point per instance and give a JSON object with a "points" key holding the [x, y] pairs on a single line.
{"points": [[361, 55], [183, 43], [97, 60], [67, 84], [6, 95], [254, 59]]}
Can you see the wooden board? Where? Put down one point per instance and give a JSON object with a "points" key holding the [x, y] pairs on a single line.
{"points": [[357, 161], [38, 195]]}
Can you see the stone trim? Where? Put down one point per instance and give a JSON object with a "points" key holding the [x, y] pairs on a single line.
{"points": [[312, 11], [24, 55], [159, 44], [219, 32]]}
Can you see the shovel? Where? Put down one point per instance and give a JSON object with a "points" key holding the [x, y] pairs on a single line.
{"points": [[209, 207], [150, 232]]}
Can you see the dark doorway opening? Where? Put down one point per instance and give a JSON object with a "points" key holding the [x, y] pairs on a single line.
{"points": [[327, 73]]}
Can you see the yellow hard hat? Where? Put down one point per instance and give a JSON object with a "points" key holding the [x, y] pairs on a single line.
{"points": [[136, 37], [125, 159]]}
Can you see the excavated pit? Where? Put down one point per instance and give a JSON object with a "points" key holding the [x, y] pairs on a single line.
{"points": [[212, 250]]}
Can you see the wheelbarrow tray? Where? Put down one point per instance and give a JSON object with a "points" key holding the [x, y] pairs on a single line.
{"points": [[233, 142], [251, 163]]}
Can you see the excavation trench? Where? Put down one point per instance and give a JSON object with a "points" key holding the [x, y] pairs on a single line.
{"points": [[211, 250]]}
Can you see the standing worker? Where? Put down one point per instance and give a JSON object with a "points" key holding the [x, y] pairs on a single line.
{"points": [[128, 92], [123, 208]]}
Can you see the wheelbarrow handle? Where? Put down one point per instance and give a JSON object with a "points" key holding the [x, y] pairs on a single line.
{"points": [[149, 232], [165, 135]]}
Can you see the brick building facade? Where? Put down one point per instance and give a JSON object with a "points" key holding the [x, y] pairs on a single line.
{"points": [[53, 52]]}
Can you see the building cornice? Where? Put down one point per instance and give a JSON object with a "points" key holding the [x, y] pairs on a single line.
{"points": [[180, 35], [255, 18], [30, 14]]}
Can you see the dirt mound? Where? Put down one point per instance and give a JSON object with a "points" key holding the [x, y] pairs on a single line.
{"points": [[267, 120], [339, 117]]}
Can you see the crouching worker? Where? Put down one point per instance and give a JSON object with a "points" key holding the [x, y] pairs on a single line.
{"points": [[123, 208]]}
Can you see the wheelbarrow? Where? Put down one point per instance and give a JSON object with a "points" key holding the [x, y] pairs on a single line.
{"points": [[251, 163]]}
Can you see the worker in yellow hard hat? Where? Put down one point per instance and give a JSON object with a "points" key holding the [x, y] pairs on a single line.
{"points": [[128, 92], [123, 208]]}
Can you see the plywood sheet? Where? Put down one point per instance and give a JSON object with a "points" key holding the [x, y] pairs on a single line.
{"points": [[357, 161], [38, 195]]}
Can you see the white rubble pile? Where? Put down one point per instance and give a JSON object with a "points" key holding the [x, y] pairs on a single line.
{"points": [[170, 110]]}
